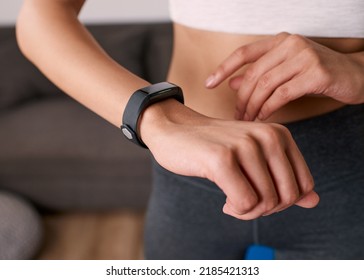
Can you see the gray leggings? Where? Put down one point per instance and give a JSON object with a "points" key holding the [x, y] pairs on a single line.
{"points": [[185, 221]]}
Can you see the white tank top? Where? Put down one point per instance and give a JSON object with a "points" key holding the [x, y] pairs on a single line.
{"points": [[316, 18]]}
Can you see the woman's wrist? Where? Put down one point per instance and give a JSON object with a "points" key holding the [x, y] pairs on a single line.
{"points": [[358, 59], [157, 118]]}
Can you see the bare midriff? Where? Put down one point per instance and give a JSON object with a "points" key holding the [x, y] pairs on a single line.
{"points": [[196, 55]]}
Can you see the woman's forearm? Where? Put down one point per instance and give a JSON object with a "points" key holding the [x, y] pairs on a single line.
{"points": [[50, 35]]}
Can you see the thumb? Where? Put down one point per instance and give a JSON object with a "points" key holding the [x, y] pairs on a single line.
{"points": [[310, 200]]}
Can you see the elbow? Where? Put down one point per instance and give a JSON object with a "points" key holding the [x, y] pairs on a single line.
{"points": [[28, 28], [22, 28]]}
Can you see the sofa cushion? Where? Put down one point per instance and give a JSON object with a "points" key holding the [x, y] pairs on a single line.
{"points": [[20, 81], [63, 156]]}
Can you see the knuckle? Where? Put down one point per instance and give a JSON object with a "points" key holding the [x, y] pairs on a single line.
{"points": [[252, 108], [270, 204], [283, 34], [221, 69], [273, 139], [265, 81], [250, 74], [249, 145], [283, 130], [289, 198], [285, 135], [265, 110], [284, 93], [296, 41], [270, 134], [307, 185], [248, 204], [243, 206], [239, 53]]}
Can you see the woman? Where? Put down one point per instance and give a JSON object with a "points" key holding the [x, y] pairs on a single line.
{"points": [[228, 131]]}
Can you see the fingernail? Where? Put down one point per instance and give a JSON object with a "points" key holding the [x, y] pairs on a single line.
{"points": [[210, 81]]}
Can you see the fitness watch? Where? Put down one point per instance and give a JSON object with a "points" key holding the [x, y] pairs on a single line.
{"points": [[139, 101]]}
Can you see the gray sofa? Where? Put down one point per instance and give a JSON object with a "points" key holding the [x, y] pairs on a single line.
{"points": [[55, 154]]}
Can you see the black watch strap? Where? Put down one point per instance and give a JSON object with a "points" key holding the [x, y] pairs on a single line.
{"points": [[139, 101]]}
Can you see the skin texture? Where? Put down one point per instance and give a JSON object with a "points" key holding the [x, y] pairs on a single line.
{"points": [[257, 165]]}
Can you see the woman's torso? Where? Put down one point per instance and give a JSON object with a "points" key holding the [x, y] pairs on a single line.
{"points": [[196, 55], [206, 32]]}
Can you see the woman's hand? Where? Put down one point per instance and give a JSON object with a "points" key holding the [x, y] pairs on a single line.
{"points": [[258, 166], [286, 67]]}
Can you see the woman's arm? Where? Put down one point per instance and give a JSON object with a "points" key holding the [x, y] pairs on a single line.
{"points": [[258, 166], [51, 36]]}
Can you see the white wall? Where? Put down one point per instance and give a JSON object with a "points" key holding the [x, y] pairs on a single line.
{"points": [[102, 11]]}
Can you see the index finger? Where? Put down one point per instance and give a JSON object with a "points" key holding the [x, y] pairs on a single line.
{"points": [[241, 56]]}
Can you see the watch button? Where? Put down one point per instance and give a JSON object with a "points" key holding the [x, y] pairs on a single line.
{"points": [[127, 133]]}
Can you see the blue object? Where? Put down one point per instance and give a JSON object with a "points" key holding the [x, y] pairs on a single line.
{"points": [[259, 252]]}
